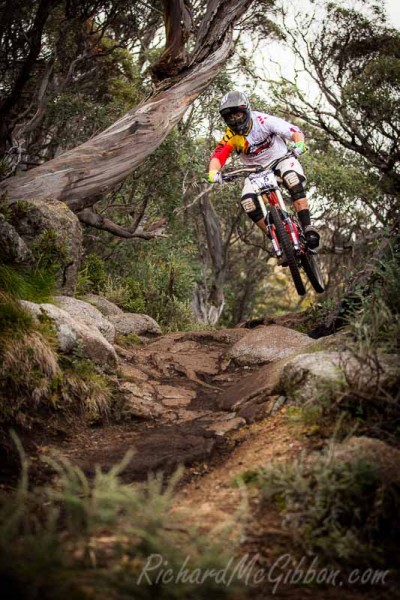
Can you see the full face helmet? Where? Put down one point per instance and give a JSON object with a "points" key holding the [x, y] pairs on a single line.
{"points": [[235, 110]]}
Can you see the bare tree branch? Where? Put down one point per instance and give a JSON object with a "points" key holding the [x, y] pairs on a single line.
{"points": [[89, 217]]}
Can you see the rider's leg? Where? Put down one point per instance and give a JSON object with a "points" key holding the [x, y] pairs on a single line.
{"points": [[292, 175], [252, 206], [256, 211]]}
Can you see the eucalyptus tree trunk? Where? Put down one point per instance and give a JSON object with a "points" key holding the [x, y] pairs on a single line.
{"points": [[81, 175], [209, 300]]}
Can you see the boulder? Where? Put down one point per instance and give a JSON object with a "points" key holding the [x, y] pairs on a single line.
{"points": [[320, 375], [267, 344], [88, 314], [12, 246], [253, 388], [74, 335], [174, 397], [139, 324], [53, 232], [106, 307], [315, 376]]}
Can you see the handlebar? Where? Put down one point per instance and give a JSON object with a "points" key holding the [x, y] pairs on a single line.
{"points": [[244, 171]]}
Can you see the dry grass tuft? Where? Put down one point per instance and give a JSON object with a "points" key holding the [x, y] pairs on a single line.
{"points": [[28, 371]]}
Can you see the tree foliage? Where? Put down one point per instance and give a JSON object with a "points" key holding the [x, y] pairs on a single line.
{"points": [[351, 60]]}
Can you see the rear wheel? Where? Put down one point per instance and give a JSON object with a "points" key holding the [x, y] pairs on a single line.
{"points": [[287, 248], [310, 265]]}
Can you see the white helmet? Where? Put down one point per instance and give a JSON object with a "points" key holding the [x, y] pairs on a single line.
{"points": [[235, 110]]}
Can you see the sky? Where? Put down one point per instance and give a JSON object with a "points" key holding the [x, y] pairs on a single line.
{"points": [[393, 10], [273, 58]]}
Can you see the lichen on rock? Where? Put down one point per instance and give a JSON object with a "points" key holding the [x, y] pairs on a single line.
{"points": [[74, 335], [87, 313]]}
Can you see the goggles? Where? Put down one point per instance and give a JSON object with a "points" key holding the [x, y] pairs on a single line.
{"points": [[235, 118]]}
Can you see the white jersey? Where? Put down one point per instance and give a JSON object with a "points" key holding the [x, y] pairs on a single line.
{"points": [[263, 144]]}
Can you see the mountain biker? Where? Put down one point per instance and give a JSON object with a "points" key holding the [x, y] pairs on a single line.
{"points": [[258, 138]]}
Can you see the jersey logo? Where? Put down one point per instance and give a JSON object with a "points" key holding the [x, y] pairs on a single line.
{"points": [[260, 119], [256, 149]]}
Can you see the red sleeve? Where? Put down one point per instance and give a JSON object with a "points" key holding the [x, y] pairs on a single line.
{"points": [[224, 148], [222, 152]]}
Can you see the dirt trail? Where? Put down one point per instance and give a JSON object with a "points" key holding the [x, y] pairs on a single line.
{"points": [[214, 498], [184, 401]]}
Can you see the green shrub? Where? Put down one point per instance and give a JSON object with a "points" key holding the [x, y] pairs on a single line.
{"points": [[28, 370], [92, 276], [341, 510], [80, 538], [13, 318], [374, 341], [177, 315], [159, 284], [161, 287], [375, 319], [117, 290], [367, 397], [87, 388], [50, 252], [135, 300]]}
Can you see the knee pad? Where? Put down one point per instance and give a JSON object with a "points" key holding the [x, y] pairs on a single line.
{"points": [[252, 207], [295, 184]]}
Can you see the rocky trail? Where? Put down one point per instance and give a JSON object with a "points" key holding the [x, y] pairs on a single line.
{"points": [[210, 401], [187, 397]]}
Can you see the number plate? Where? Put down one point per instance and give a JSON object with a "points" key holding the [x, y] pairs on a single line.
{"points": [[263, 181]]}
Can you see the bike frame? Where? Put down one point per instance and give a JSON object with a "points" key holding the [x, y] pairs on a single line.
{"points": [[266, 186]]}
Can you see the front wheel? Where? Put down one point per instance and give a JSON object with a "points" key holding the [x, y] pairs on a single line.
{"points": [[287, 248], [311, 267]]}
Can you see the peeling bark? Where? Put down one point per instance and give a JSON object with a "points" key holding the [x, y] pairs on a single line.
{"points": [[178, 23]]}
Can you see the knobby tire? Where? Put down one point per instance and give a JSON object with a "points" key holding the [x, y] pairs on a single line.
{"points": [[311, 267], [287, 247]]}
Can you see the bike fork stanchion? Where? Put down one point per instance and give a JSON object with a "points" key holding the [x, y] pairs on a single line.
{"points": [[273, 236]]}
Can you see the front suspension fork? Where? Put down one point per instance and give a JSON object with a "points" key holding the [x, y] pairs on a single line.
{"points": [[290, 226], [272, 235]]}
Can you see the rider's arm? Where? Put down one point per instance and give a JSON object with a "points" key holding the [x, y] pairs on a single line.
{"points": [[284, 129], [298, 139], [297, 136], [221, 154], [215, 164]]}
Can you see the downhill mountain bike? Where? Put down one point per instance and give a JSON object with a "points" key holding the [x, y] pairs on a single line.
{"points": [[284, 230]]}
